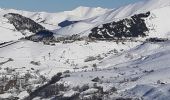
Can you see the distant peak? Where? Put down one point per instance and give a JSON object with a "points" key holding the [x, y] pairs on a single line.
{"points": [[88, 8], [82, 7]]}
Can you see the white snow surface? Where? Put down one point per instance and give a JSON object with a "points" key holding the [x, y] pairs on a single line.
{"points": [[90, 17], [58, 58], [157, 22], [51, 20], [137, 70], [48, 20], [147, 64]]}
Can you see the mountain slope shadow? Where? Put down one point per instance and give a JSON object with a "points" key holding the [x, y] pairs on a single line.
{"points": [[67, 23]]}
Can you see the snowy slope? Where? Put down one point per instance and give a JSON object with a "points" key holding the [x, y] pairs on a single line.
{"points": [[159, 22], [92, 69], [145, 66], [135, 8], [8, 32], [91, 17], [51, 20], [39, 62], [141, 72], [159, 12], [59, 57], [48, 20]]}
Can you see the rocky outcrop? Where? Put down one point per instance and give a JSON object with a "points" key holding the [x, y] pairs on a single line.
{"points": [[23, 24], [43, 35], [134, 26]]}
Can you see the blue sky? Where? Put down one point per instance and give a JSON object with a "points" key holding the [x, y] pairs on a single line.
{"points": [[60, 5]]}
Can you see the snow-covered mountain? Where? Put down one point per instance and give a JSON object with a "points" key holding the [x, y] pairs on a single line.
{"points": [[52, 19], [87, 53], [158, 10], [157, 22], [142, 6], [48, 20]]}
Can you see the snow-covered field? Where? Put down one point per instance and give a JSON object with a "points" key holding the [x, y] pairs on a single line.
{"points": [[144, 70], [60, 57]]}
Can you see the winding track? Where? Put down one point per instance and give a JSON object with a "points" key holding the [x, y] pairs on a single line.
{"points": [[5, 44]]}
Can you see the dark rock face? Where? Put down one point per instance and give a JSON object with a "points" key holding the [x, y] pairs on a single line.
{"points": [[22, 23], [66, 23], [43, 35], [48, 89], [156, 40], [128, 27]]}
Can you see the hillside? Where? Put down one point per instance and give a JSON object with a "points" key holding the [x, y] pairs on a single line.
{"points": [[48, 20], [86, 53], [158, 9]]}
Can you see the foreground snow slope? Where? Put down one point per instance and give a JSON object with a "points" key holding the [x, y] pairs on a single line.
{"points": [[146, 64], [60, 57]]}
